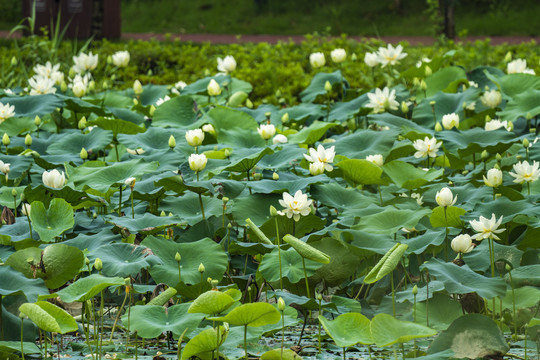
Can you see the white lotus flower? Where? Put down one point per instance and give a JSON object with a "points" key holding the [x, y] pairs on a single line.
{"points": [[418, 198], [137, 151], [50, 71], [494, 177], [280, 139], [316, 168], [338, 55], [371, 59], [426, 147], [382, 100], [79, 85], [491, 98], [197, 162], [4, 167], [6, 111], [54, 179], [180, 85], [518, 66], [226, 65], [162, 100], [121, 58], [376, 159], [41, 85], [462, 244], [85, 62], [390, 55], [130, 181], [317, 60], [296, 206], [322, 155], [525, 172], [444, 197], [496, 124], [266, 131], [209, 128], [486, 228], [195, 137], [450, 120], [26, 209], [213, 88]]}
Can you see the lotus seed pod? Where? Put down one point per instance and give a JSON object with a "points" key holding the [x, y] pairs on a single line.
{"points": [[37, 121], [267, 115], [415, 290], [127, 281], [438, 126], [214, 283], [98, 264], [275, 176], [201, 268], [177, 257], [281, 304], [5, 139], [172, 142], [273, 211], [83, 154]]}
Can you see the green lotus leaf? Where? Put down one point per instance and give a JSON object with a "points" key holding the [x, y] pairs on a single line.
{"points": [[117, 126], [52, 222], [49, 317], [211, 302], [316, 87], [409, 176], [339, 197], [148, 223], [348, 329], [124, 259], [528, 275], [276, 354], [150, 321], [441, 310], [471, 336], [512, 85], [176, 112], [343, 261], [14, 282], [386, 330], [442, 79], [362, 143], [34, 105], [311, 134], [247, 162], [523, 297], [438, 217], [307, 251], [387, 263], [262, 237], [360, 171], [390, 220], [343, 111], [163, 298], [72, 143], [291, 263], [204, 342], [476, 140], [252, 314], [15, 346], [87, 287]]}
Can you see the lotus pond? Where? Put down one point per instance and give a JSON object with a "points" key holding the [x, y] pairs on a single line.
{"points": [[184, 222]]}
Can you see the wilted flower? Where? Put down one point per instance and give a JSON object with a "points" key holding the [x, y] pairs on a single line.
{"points": [[426, 147], [525, 172], [390, 55], [491, 98], [322, 155], [213, 88], [494, 177], [382, 100], [496, 124], [295, 206], [41, 85], [376, 159], [266, 131], [85, 62], [317, 60], [280, 139], [195, 137], [53, 179], [486, 228], [197, 162], [316, 168], [130, 181], [462, 244], [338, 55], [371, 59], [226, 65], [121, 58], [450, 120], [6, 111], [518, 66], [445, 198], [4, 167]]}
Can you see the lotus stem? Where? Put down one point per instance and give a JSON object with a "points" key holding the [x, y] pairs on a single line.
{"points": [[30, 228], [202, 206], [120, 202], [427, 299], [132, 206], [513, 301], [137, 346], [279, 254], [492, 261], [393, 293], [15, 204], [319, 334], [118, 315], [344, 352], [101, 322], [445, 235], [305, 276], [86, 330], [46, 354], [414, 319], [22, 342], [245, 341], [282, 333]]}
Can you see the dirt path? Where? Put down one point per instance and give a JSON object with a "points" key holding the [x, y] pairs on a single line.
{"points": [[272, 39]]}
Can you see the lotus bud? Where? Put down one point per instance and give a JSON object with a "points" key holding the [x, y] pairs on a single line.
{"points": [[201, 268], [281, 304], [14, 192], [423, 85], [94, 216], [484, 155], [98, 264], [37, 121], [488, 118], [416, 82], [319, 296], [5, 139], [91, 85], [227, 153], [172, 142], [72, 73], [273, 211], [404, 107], [354, 57], [498, 157], [438, 126], [327, 86], [86, 261], [162, 213], [177, 257], [135, 102], [275, 176], [508, 57], [229, 226], [214, 283], [510, 126], [249, 104], [152, 110], [507, 267], [82, 123], [278, 93], [14, 61], [63, 86], [225, 200], [257, 176], [213, 88], [28, 140], [428, 71], [415, 290], [526, 143], [137, 87], [83, 154], [285, 118]]}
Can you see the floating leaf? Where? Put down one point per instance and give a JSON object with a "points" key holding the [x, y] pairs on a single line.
{"points": [[390, 220]]}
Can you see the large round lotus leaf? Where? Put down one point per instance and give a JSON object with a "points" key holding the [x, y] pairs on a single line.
{"points": [[310, 135], [438, 218], [154, 138], [317, 85], [390, 220], [188, 208], [204, 251], [177, 112], [252, 314], [53, 221], [34, 105], [147, 223], [14, 282], [343, 111], [86, 288], [124, 259], [117, 126], [525, 275], [360, 171], [362, 143], [15, 346], [441, 309], [343, 262], [409, 176], [291, 266], [386, 330], [150, 321], [93, 141], [471, 336], [348, 329], [276, 354], [56, 264], [211, 302], [523, 297], [205, 341], [49, 317], [339, 197]]}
